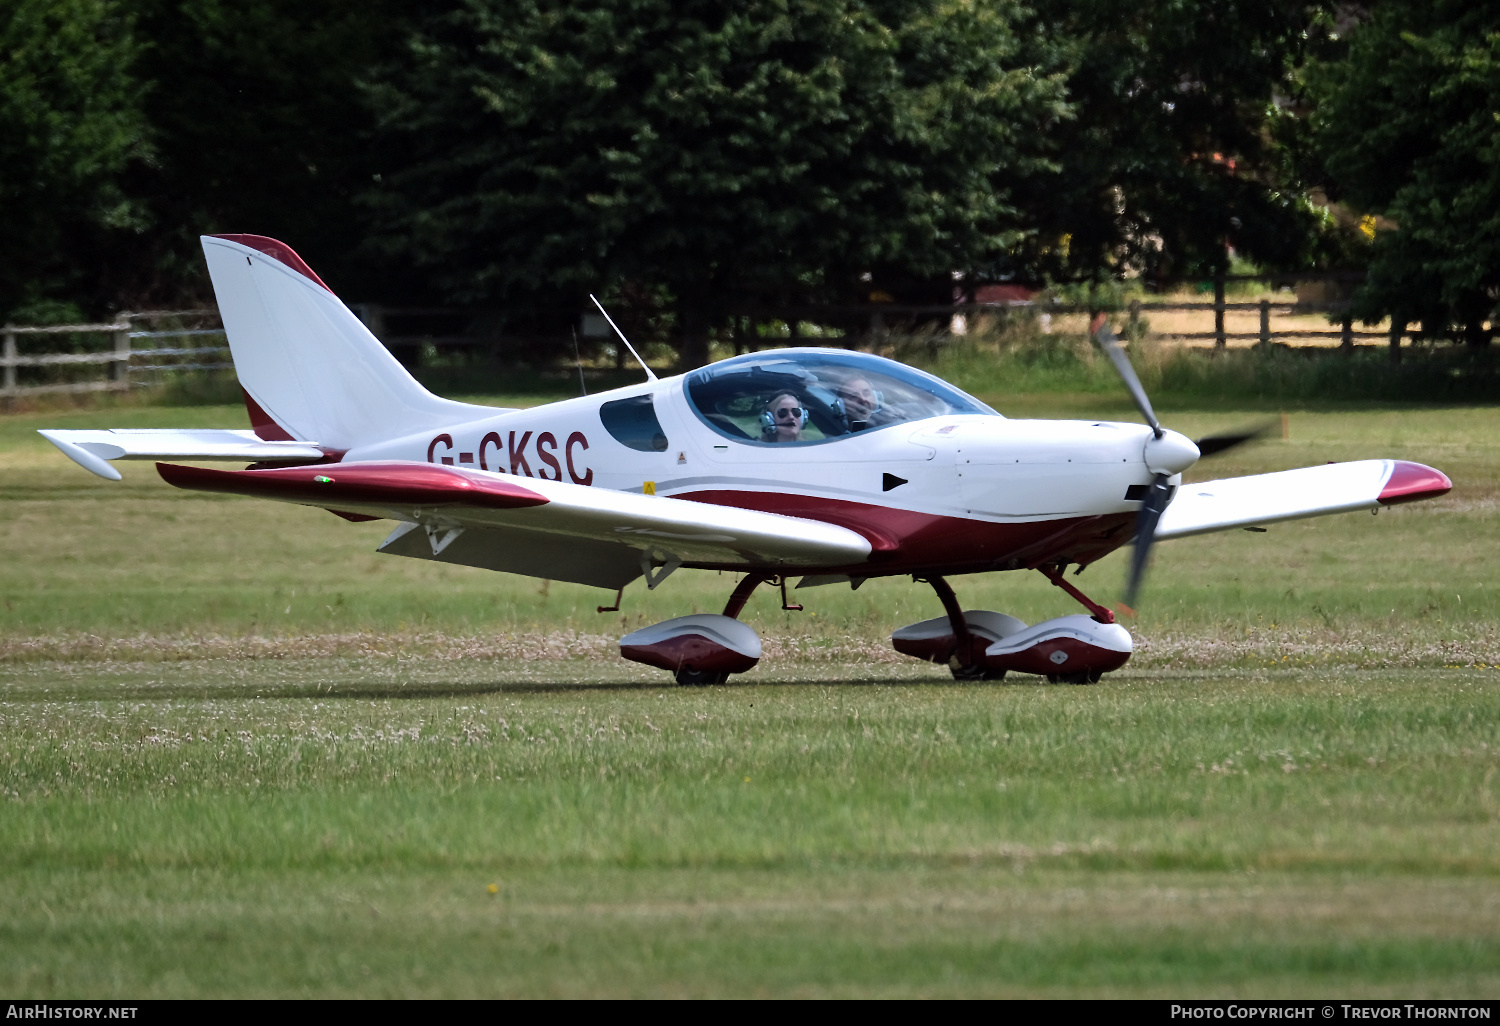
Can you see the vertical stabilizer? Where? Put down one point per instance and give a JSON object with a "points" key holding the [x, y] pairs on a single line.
{"points": [[308, 366]]}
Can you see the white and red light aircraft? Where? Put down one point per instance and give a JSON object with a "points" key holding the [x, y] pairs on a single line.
{"points": [[829, 465]]}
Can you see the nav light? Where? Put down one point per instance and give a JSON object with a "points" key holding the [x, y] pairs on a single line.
{"points": [[320, 479]]}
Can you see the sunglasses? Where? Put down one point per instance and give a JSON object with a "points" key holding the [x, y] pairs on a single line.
{"points": [[789, 411]]}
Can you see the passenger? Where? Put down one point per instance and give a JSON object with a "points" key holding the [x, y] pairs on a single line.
{"points": [[861, 404], [783, 419]]}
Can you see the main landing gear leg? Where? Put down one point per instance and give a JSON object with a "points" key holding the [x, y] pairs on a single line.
{"points": [[965, 663], [742, 592]]}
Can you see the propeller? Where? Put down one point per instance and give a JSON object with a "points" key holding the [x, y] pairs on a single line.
{"points": [[1211, 445], [1167, 453], [1111, 346]]}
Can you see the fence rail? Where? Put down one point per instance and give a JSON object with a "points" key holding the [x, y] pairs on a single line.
{"points": [[126, 361], [133, 353], [874, 320]]}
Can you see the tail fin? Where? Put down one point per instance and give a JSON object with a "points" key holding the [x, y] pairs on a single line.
{"points": [[310, 370]]}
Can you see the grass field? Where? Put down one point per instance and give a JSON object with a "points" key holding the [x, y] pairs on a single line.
{"points": [[241, 754]]}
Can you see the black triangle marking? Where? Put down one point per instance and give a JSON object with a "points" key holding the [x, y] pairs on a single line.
{"points": [[889, 481]]}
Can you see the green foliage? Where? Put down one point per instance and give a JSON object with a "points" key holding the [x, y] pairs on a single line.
{"points": [[259, 127], [773, 150], [1409, 124], [1028, 362], [70, 122], [1177, 147]]}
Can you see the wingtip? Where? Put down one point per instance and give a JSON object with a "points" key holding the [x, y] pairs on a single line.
{"points": [[1412, 482], [90, 461]]}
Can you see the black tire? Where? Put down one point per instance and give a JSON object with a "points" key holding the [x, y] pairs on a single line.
{"points": [[970, 673], [1086, 677], [701, 678]]}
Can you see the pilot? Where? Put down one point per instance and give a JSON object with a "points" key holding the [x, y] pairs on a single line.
{"points": [[861, 404], [783, 419]]}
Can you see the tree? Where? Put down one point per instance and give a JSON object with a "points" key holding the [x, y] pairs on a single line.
{"points": [[728, 151], [1184, 142], [259, 125], [1409, 127], [70, 121]]}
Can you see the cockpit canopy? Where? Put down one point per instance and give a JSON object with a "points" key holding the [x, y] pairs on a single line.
{"points": [[840, 393]]}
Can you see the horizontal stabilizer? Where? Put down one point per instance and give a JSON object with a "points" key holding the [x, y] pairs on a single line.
{"points": [[90, 449], [1295, 494]]}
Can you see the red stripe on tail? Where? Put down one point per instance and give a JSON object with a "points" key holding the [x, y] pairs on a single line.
{"points": [[278, 251], [266, 429]]}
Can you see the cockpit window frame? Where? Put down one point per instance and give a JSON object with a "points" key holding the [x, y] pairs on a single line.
{"points": [[960, 402]]}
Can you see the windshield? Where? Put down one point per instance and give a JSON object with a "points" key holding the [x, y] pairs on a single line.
{"points": [[805, 396]]}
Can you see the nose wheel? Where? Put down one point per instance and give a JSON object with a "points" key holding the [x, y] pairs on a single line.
{"points": [[1090, 677], [701, 678]]}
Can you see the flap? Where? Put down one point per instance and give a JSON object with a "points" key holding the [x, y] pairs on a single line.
{"points": [[1294, 494]]}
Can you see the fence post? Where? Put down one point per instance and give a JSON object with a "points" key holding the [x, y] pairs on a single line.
{"points": [[1219, 340], [119, 371], [1265, 322], [1346, 340], [10, 360], [1398, 328], [1135, 320]]}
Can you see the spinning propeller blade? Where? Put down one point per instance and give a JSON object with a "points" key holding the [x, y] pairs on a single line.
{"points": [[1111, 346], [1211, 444], [1145, 534]]}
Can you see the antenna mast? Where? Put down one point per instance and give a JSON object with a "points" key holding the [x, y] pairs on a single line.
{"points": [[650, 374]]}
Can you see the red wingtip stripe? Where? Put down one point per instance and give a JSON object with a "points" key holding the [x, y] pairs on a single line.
{"points": [[278, 251], [381, 485], [1410, 482]]}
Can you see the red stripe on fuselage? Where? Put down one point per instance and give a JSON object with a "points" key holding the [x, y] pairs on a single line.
{"points": [[906, 541]]}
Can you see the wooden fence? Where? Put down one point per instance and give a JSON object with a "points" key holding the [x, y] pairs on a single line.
{"points": [[144, 347], [133, 349]]}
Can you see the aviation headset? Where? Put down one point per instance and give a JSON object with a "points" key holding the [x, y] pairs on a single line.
{"points": [[768, 416]]}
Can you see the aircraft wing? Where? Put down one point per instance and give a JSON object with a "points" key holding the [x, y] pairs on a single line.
{"points": [[91, 449], [1295, 494], [548, 529]]}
